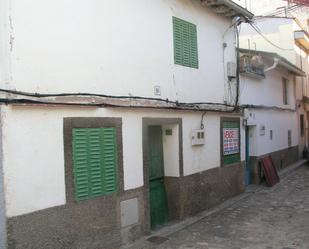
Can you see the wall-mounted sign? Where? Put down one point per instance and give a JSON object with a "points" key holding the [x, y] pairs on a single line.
{"points": [[230, 141], [168, 132], [262, 130]]}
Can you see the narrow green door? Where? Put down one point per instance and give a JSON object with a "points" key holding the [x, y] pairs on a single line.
{"points": [[158, 201], [247, 165]]}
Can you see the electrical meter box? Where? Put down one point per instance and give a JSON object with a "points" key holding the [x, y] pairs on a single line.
{"points": [[231, 69], [198, 137]]}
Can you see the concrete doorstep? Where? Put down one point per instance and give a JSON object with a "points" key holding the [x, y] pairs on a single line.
{"points": [[176, 226]]}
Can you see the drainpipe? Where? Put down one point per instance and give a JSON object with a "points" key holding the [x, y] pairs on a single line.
{"points": [[276, 62]]}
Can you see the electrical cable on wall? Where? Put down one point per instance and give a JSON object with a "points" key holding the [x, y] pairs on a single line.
{"points": [[283, 10], [40, 95], [174, 105], [237, 64], [266, 39], [178, 105], [176, 108], [202, 120]]}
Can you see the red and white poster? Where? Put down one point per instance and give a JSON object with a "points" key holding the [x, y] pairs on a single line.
{"points": [[230, 141]]}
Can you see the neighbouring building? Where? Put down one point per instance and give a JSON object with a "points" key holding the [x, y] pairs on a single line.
{"points": [[278, 8], [268, 97], [115, 118], [292, 43]]}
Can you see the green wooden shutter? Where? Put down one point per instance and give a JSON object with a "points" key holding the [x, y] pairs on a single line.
{"points": [[193, 46], [94, 162], [96, 185], [177, 41], [109, 159], [185, 43], [80, 161]]}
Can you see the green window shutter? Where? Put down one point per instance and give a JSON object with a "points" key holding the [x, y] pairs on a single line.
{"points": [[110, 159], [193, 46], [185, 43], [177, 41], [94, 162], [80, 161]]}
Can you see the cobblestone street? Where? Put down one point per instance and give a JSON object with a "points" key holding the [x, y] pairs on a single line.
{"points": [[271, 218]]}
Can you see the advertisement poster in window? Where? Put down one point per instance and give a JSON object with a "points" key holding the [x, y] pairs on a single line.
{"points": [[230, 141]]}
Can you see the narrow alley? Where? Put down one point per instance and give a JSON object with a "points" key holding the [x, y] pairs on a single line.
{"points": [[271, 218]]}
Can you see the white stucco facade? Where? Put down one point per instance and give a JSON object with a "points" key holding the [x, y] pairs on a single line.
{"points": [[280, 31], [113, 48], [277, 122], [35, 178], [270, 114]]}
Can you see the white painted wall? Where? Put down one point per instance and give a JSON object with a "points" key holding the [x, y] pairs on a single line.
{"points": [[268, 91], [5, 39], [275, 7], [279, 31], [3, 234], [115, 48], [171, 150], [278, 121], [203, 157], [34, 154], [106, 47]]}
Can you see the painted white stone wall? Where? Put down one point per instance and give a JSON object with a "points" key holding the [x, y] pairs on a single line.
{"points": [[281, 32], [34, 153], [116, 48], [277, 121], [3, 234], [269, 92], [4, 68], [278, 30], [171, 150], [106, 47]]}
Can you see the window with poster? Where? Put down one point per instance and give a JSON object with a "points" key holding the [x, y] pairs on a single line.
{"points": [[230, 141]]}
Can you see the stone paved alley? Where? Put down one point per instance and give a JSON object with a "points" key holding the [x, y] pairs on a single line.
{"points": [[271, 218]]}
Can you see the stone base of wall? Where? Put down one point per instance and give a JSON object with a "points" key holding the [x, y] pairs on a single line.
{"points": [[97, 223], [281, 159], [192, 194], [89, 224]]}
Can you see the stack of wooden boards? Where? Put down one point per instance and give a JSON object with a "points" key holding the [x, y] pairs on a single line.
{"points": [[270, 171]]}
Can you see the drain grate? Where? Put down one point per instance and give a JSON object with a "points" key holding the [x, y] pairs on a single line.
{"points": [[157, 239]]}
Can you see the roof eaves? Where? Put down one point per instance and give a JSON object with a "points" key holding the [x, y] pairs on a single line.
{"points": [[227, 8]]}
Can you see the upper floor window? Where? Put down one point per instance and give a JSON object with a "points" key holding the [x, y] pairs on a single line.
{"points": [[302, 124], [185, 43], [285, 91], [289, 138]]}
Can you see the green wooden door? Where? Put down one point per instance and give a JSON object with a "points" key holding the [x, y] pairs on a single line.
{"points": [[158, 201]]}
